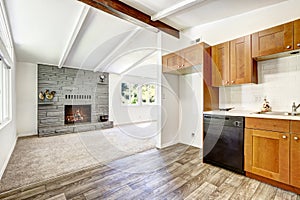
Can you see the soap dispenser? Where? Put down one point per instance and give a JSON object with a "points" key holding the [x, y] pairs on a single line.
{"points": [[266, 106]]}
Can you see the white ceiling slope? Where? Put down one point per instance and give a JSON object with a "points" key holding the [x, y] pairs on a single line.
{"points": [[205, 11], [70, 33]]}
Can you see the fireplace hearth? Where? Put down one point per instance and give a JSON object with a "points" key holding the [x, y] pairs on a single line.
{"points": [[77, 114]]}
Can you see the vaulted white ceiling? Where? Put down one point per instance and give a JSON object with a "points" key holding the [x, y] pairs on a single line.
{"points": [[70, 33]]}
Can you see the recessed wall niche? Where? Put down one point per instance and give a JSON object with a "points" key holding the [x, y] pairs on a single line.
{"points": [[73, 87]]}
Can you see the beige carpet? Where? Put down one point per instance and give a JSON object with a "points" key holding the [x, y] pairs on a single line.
{"points": [[35, 159]]}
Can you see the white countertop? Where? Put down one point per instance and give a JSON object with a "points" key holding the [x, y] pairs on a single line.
{"points": [[247, 113]]}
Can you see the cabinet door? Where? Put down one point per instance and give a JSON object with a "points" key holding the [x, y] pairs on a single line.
{"points": [[171, 62], [295, 160], [297, 34], [274, 40], [220, 64], [267, 154], [241, 65], [192, 56]]}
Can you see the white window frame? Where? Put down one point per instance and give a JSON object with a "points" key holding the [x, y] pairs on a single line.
{"points": [[140, 94], [5, 94]]}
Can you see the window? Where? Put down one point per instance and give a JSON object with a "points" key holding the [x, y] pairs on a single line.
{"points": [[132, 93], [129, 94], [148, 94], [5, 94]]}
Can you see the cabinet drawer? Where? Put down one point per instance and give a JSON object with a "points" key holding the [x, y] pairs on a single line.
{"points": [[268, 124], [295, 126]]}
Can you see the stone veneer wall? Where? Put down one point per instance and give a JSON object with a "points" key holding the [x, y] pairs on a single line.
{"points": [[67, 81]]}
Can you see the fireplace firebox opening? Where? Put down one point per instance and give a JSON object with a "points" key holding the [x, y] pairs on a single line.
{"points": [[77, 114]]}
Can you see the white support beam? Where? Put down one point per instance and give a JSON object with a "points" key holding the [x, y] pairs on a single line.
{"points": [[74, 35], [118, 47], [174, 9], [151, 53]]}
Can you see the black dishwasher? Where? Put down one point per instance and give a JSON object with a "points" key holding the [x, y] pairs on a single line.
{"points": [[224, 141]]}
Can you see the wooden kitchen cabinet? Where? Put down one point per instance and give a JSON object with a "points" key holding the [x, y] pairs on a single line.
{"points": [[242, 67], [267, 149], [297, 34], [267, 154], [295, 160], [233, 63], [171, 62], [185, 61], [220, 65], [295, 154], [273, 40]]}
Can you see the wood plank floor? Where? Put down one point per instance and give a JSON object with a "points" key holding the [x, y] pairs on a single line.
{"points": [[176, 172]]}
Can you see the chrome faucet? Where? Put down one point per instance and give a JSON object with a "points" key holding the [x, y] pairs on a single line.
{"points": [[294, 109]]}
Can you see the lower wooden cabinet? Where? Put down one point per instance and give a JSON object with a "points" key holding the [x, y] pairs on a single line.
{"points": [[295, 160], [267, 154], [272, 150]]}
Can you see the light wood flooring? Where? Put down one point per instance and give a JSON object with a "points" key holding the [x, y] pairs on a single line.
{"points": [[176, 172]]}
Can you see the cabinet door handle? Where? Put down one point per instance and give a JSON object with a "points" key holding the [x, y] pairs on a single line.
{"points": [[288, 46], [232, 81], [296, 138], [284, 136], [298, 45]]}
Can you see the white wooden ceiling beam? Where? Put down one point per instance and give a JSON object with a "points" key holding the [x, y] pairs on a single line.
{"points": [[74, 35], [140, 61], [117, 48], [174, 9]]}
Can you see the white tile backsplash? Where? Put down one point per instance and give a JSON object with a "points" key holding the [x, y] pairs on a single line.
{"points": [[279, 81]]}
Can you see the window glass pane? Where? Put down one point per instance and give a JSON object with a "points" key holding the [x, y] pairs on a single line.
{"points": [[6, 93], [152, 93], [125, 93], [134, 94], [145, 94]]}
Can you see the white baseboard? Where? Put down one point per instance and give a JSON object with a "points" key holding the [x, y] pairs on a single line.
{"points": [[169, 144], [25, 134], [8, 157], [137, 122], [189, 144]]}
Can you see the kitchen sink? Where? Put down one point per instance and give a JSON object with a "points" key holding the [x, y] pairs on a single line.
{"points": [[275, 113]]}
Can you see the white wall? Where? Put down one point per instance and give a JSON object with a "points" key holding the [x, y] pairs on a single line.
{"points": [[8, 135], [279, 81], [123, 114], [170, 110], [191, 102], [247, 23], [26, 88]]}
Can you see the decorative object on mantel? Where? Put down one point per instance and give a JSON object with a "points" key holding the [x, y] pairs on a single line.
{"points": [[47, 94], [102, 77], [266, 106], [42, 95]]}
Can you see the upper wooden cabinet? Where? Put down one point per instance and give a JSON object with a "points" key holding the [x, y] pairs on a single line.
{"points": [[220, 64], [233, 63], [274, 42], [242, 67], [171, 62], [185, 61], [297, 34]]}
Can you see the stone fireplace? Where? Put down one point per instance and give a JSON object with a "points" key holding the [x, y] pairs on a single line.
{"points": [[75, 114], [79, 104]]}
